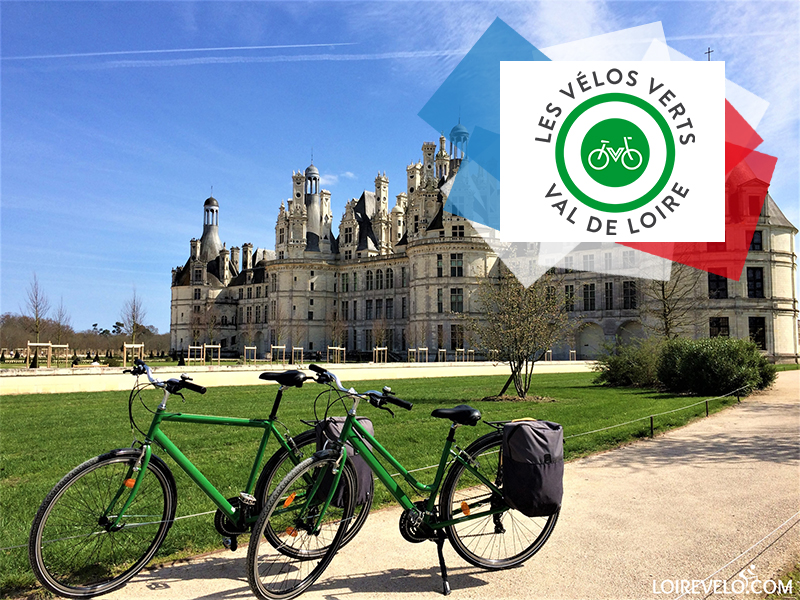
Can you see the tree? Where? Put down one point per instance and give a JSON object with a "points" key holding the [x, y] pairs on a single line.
{"points": [[37, 306], [62, 322], [520, 323], [670, 307], [336, 329], [132, 316]]}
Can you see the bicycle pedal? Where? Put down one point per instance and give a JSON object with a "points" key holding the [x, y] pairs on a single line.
{"points": [[230, 543]]}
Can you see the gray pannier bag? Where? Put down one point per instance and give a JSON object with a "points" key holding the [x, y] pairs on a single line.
{"points": [[533, 467], [331, 429]]}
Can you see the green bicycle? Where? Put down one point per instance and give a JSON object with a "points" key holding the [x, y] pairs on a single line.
{"points": [[305, 520], [106, 519]]}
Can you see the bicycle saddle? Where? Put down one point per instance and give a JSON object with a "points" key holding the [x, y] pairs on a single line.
{"points": [[461, 414], [288, 378]]}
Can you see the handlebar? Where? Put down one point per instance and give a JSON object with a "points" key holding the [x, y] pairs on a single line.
{"points": [[173, 386], [377, 399]]}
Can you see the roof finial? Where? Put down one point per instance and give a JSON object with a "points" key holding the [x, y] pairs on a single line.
{"points": [[312, 155]]}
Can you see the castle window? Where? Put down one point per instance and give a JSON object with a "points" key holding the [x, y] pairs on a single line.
{"points": [[390, 308], [379, 279], [355, 282], [718, 327], [458, 231], [457, 300], [717, 286], [629, 299], [197, 293], [369, 280], [456, 265], [609, 295], [348, 235], [628, 259], [416, 223], [273, 282], [345, 309], [758, 331], [569, 263], [224, 320], [311, 315], [755, 282], [241, 293], [196, 308], [569, 297], [379, 309], [403, 280], [355, 310], [281, 236], [441, 233], [440, 300], [258, 291], [756, 203], [345, 282], [249, 314], [311, 302], [456, 336], [608, 261], [258, 314], [440, 336], [439, 265], [389, 279], [368, 315], [757, 242], [589, 296], [348, 254], [281, 255], [249, 293], [403, 308], [311, 286], [588, 262]]}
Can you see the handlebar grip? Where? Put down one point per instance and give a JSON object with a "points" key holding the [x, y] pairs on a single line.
{"points": [[398, 401], [317, 369], [139, 362], [194, 387]]}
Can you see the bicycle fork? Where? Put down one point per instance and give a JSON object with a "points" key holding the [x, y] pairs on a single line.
{"points": [[139, 468]]}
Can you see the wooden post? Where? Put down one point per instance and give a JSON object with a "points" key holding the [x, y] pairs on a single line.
{"points": [[706, 407], [651, 426]]}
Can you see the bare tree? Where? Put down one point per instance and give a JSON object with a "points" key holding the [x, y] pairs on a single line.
{"points": [[37, 306], [133, 315], [62, 322], [211, 321], [336, 329], [670, 307], [520, 323]]}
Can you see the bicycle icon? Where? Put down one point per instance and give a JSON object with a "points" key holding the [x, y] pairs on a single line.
{"points": [[606, 154]]}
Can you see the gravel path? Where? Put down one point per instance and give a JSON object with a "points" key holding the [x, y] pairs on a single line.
{"points": [[704, 501]]}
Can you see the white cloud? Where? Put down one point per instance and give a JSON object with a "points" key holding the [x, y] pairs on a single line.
{"points": [[333, 179]]}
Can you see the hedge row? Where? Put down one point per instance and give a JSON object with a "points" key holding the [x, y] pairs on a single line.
{"points": [[705, 367]]}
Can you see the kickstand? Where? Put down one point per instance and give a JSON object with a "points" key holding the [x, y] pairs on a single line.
{"points": [[440, 537]]}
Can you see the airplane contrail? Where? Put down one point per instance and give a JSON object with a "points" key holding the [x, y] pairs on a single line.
{"points": [[172, 50]]}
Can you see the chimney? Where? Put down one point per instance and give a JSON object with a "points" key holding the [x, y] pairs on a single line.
{"points": [[224, 272], [235, 258], [194, 248], [247, 256]]}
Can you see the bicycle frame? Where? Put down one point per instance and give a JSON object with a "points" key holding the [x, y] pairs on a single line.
{"points": [[352, 427], [155, 434]]}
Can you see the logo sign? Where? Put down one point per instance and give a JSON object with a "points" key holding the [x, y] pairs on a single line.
{"points": [[612, 151]]}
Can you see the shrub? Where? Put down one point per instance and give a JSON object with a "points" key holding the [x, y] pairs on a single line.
{"points": [[3, 357], [114, 362], [634, 364], [714, 366]]}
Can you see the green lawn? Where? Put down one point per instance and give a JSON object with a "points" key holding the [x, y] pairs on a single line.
{"points": [[44, 436]]}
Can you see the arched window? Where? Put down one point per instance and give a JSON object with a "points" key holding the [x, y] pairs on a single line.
{"points": [[369, 280], [379, 280], [389, 279]]}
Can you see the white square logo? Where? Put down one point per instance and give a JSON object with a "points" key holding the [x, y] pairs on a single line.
{"points": [[612, 151]]}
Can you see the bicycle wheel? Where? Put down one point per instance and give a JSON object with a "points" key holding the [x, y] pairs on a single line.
{"points": [[71, 550], [496, 541], [278, 467], [286, 554]]}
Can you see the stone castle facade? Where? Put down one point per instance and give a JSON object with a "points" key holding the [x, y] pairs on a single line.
{"points": [[398, 277]]}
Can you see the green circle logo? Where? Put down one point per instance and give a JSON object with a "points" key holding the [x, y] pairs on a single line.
{"points": [[615, 152], [620, 138]]}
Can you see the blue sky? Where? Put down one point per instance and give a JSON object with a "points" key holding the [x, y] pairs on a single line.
{"points": [[116, 118]]}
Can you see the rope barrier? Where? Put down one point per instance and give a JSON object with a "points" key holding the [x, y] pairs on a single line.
{"points": [[566, 438]]}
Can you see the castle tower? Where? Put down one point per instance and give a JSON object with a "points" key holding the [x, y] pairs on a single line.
{"points": [[327, 221], [459, 138], [442, 159], [247, 256], [399, 218], [381, 224], [312, 204], [223, 266], [209, 243]]}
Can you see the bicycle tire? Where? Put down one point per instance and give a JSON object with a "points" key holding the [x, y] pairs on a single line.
{"points": [[278, 467], [72, 554], [281, 566], [495, 541]]}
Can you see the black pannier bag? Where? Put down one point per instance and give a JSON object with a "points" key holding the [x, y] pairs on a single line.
{"points": [[533, 467], [331, 429]]}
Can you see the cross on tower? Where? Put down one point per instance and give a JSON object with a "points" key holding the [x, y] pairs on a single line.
{"points": [[708, 53]]}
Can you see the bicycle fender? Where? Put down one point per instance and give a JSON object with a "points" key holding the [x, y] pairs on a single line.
{"points": [[153, 459]]}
